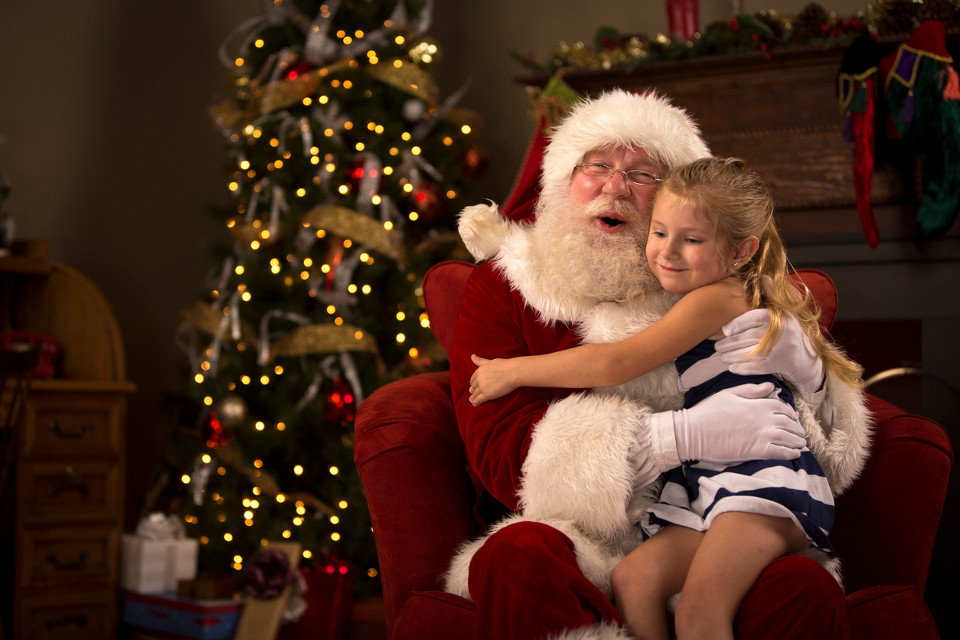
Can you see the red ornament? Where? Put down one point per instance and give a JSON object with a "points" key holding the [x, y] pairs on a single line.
{"points": [[213, 431], [333, 259], [296, 70], [360, 174], [475, 162], [341, 403], [427, 201]]}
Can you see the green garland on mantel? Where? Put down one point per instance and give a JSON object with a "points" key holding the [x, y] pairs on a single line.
{"points": [[763, 31]]}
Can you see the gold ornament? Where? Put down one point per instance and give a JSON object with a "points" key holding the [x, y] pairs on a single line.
{"points": [[426, 51], [232, 411]]}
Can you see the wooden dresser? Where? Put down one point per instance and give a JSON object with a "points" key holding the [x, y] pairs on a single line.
{"points": [[61, 545]]}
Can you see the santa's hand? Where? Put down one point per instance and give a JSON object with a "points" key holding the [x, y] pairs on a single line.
{"points": [[743, 423], [792, 358]]}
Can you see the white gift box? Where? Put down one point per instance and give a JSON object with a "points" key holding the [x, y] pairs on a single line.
{"points": [[155, 566]]}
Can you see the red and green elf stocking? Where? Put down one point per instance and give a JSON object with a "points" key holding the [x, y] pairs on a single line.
{"points": [[924, 104], [857, 91]]}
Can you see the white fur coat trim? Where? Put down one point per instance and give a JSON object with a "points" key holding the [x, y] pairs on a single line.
{"points": [[840, 439], [599, 631], [576, 468]]}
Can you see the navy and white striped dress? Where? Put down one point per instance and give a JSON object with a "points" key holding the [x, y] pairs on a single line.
{"points": [[696, 492]]}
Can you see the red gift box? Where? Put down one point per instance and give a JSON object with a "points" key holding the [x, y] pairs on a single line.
{"points": [[328, 595]]}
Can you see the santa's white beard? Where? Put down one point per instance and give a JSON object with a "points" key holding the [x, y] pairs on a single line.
{"points": [[576, 261]]}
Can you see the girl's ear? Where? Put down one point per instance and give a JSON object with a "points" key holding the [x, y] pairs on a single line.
{"points": [[746, 249]]}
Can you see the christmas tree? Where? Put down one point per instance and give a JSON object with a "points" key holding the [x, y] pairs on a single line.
{"points": [[346, 170]]}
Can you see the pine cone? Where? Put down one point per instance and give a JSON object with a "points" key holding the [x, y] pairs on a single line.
{"points": [[896, 17], [809, 23], [946, 11], [777, 23]]}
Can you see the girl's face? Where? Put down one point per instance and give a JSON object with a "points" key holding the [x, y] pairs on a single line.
{"points": [[682, 247]]}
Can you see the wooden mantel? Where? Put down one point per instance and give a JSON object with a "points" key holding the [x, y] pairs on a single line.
{"points": [[780, 114]]}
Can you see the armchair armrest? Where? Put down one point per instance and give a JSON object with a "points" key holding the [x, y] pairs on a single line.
{"points": [[886, 523], [413, 468]]}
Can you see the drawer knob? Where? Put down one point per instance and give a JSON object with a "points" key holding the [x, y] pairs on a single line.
{"points": [[58, 429], [78, 620], [54, 559], [71, 481]]}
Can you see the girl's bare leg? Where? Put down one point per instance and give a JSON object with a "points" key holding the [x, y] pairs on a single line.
{"points": [[651, 575], [732, 554]]}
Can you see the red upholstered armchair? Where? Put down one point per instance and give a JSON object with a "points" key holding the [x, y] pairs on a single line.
{"points": [[412, 464]]}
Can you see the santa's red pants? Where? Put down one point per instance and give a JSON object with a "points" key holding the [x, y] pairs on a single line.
{"points": [[526, 585]]}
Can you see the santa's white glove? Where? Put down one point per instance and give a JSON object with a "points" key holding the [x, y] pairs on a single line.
{"points": [[738, 424], [792, 358]]}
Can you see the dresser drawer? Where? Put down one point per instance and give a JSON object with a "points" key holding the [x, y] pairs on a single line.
{"points": [[69, 491], [81, 615], [63, 555], [72, 424]]}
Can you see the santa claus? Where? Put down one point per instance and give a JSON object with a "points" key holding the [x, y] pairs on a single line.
{"points": [[563, 476]]}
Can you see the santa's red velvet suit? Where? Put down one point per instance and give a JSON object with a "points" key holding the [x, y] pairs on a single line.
{"points": [[575, 469]]}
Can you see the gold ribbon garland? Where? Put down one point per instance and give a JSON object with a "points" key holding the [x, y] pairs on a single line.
{"points": [[232, 456], [348, 223], [315, 338], [208, 320], [409, 78], [280, 94], [325, 338]]}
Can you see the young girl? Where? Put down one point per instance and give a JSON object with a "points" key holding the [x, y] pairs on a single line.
{"points": [[712, 237]]}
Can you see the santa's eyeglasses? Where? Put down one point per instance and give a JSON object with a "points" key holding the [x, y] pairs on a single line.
{"points": [[602, 171]]}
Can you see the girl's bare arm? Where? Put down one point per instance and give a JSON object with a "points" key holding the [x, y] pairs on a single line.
{"points": [[698, 315]]}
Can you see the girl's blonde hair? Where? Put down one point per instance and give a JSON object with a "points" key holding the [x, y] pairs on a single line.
{"points": [[739, 204]]}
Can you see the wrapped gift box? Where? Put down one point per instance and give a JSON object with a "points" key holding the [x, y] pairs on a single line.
{"points": [[202, 619], [328, 599], [156, 566]]}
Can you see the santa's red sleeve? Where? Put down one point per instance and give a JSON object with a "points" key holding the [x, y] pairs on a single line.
{"points": [[494, 322]]}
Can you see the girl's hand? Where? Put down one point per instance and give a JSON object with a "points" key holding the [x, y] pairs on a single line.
{"points": [[491, 380]]}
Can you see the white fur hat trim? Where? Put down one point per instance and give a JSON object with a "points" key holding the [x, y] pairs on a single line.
{"points": [[619, 118]]}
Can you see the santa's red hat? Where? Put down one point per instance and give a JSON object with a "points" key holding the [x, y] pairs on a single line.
{"points": [[617, 118]]}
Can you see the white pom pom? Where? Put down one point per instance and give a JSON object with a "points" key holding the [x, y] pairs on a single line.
{"points": [[483, 230]]}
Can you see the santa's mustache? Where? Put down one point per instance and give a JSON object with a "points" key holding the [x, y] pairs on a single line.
{"points": [[615, 212], [603, 204]]}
